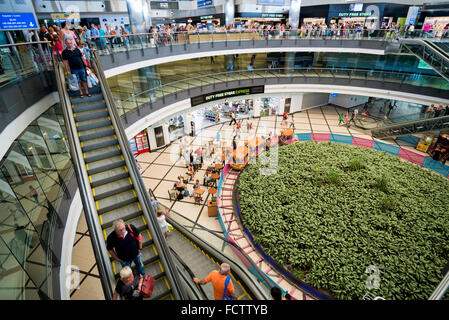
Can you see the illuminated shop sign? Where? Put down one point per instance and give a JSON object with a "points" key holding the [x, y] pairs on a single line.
{"points": [[204, 3], [225, 94], [354, 14]]}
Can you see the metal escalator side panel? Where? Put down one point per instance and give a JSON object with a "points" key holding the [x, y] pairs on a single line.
{"points": [[99, 247], [240, 275], [148, 213]]}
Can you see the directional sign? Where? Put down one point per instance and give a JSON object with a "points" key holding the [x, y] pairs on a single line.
{"points": [[18, 21]]}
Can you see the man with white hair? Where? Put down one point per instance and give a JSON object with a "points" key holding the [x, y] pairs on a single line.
{"points": [[125, 245], [221, 282], [129, 286]]}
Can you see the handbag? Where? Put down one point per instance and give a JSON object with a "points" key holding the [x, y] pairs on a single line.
{"points": [[225, 297], [72, 82], [147, 286]]}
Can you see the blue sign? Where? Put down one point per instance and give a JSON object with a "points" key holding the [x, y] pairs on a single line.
{"points": [[205, 3], [18, 21], [271, 2]]}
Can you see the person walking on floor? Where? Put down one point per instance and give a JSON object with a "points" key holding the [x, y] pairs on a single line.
{"points": [[221, 283], [340, 119], [233, 118], [125, 245]]}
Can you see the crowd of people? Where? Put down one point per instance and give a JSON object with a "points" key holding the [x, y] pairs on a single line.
{"points": [[109, 37]]}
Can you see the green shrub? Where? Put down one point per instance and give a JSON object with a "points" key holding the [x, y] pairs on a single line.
{"points": [[382, 184], [332, 176], [357, 164], [388, 203], [328, 235]]}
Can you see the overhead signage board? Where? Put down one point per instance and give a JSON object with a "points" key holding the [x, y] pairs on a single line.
{"points": [[18, 21], [271, 2], [225, 94], [63, 17], [354, 14], [204, 3]]}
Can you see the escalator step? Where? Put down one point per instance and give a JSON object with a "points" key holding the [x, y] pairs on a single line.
{"points": [[94, 125], [93, 98], [92, 91], [91, 116], [106, 167], [100, 145], [129, 216], [103, 156], [87, 107], [97, 135], [116, 205], [109, 179], [112, 192]]}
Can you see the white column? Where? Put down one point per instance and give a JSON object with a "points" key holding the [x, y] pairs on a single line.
{"points": [[166, 133], [151, 138], [187, 125]]}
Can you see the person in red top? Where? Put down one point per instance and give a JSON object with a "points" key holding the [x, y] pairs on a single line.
{"points": [[218, 279]]}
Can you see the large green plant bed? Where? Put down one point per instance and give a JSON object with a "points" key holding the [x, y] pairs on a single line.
{"points": [[332, 210]]}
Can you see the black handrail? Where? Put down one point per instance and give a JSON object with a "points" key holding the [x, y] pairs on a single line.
{"points": [[98, 244], [147, 208], [189, 271], [262, 275]]}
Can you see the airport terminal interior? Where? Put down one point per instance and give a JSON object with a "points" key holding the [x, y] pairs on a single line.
{"points": [[274, 149]]}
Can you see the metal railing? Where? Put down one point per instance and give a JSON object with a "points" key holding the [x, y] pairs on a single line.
{"points": [[23, 60], [218, 241], [148, 211], [109, 44], [152, 95]]}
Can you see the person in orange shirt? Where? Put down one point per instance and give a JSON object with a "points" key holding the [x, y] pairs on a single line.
{"points": [[218, 280]]}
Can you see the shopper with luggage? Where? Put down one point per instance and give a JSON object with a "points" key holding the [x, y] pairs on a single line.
{"points": [[73, 61]]}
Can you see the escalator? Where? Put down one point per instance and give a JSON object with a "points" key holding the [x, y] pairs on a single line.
{"points": [[110, 185], [200, 257], [411, 127], [429, 52]]}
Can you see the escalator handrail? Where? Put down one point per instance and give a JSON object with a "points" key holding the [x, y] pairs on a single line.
{"points": [[148, 211], [98, 244], [189, 271], [436, 48], [399, 125], [253, 265]]}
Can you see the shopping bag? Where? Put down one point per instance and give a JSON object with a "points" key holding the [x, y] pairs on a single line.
{"points": [[93, 79], [147, 286], [72, 82]]}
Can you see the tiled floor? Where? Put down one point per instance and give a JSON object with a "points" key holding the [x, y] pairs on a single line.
{"points": [[160, 169]]}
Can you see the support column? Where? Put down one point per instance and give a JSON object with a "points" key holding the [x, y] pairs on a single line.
{"points": [[229, 11], [139, 16], [293, 14]]}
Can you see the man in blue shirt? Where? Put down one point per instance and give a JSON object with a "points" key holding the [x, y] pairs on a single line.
{"points": [[95, 33]]}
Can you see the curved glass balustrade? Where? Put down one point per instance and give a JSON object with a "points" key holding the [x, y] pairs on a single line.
{"points": [[119, 43], [158, 92], [34, 175]]}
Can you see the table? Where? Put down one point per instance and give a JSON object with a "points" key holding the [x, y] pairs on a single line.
{"points": [[213, 192], [198, 195], [215, 177]]}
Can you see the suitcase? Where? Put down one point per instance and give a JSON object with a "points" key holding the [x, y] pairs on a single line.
{"points": [[147, 286]]}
